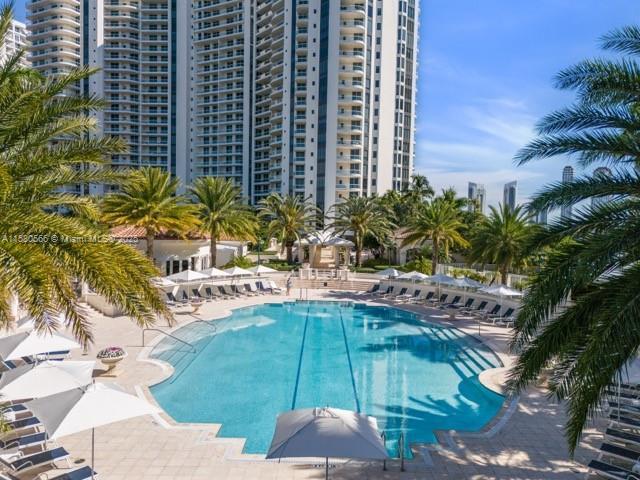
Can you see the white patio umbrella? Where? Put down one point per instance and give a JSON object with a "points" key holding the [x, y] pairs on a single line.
{"points": [[466, 282], [214, 272], [187, 276], [415, 275], [45, 378], [327, 432], [237, 271], [27, 344], [86, 408], [441, 278], [389, 272], [163, 282], [259, 269], [501, 291]]}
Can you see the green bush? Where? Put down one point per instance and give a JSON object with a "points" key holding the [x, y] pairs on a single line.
{"points": [[242, 262], [365, 270]]}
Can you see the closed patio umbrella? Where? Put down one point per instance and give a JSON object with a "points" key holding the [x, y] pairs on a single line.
{"points": [[327, 432], [27, 344], [45, 378], [86, 408], [415, 275], [187, 276]]}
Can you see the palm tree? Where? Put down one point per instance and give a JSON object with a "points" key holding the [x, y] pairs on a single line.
{"points": [[222, 212], [49, 235], [580, 315], [437, 222], [148, 200], [502, 238], [289, 217], [361, 216]]}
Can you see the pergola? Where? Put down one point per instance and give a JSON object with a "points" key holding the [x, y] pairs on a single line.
{"points": [[325, 248]]}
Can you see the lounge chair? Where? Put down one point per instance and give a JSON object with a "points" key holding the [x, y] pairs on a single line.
{"points": [[467, 305], [401, 295], [506, 318], [620, 436], [455, 303], [21, 463], [83, 473], [441, 300], [611, 471], [372, 290], [428, 299], [478, 311], [417, 298], [493, 312], [244, 291], [382, 293], [274, 288], [253, 289], [196, 295], [222, 293], [410, 297], [209, 293], [173, 301], [22, 423], [389, 292], [227, 290], [29, 440]]}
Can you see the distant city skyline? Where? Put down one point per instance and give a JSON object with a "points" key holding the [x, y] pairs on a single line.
{"points": [[567, 177]]}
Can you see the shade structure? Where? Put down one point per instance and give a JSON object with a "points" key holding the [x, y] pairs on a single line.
{"points": [[27, 344], [187, 276], [325, 238], [163, 282], [214, 272], [502, 291], [327, 432], [44, 378], [389, 272], [415, 275], [86, 408], [237, 271], [259, 269]]}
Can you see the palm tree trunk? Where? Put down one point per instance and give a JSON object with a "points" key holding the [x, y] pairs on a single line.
{"points": [[150, 238], [213, 251], [503, 274], [358, 256], [289, 253], [434, 258]]}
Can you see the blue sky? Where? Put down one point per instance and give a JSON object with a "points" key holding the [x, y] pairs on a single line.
{"points": [[485, 78]]}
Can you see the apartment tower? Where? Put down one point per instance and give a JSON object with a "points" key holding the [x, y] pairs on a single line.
{"points": [[510, 195], [307, 97], [15, 39], [477, 196], [567, 177]]}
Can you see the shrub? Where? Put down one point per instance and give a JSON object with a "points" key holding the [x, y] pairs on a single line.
{"points": [[242, 262]]}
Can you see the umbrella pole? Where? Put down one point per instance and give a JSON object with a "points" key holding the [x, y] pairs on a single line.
{"points": [[93, 451]]}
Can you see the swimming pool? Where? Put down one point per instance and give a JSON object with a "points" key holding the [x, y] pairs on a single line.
{"points": [[414, 377]]}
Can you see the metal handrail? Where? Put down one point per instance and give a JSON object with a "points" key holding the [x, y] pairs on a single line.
{"points": [[401, 450], [168, 335], [384, 442]]}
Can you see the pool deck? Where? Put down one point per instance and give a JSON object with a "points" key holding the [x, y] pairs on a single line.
{"points": [[524, 442]]}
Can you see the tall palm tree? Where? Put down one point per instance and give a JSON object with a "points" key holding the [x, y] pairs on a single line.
{"points": [[289, 218], [580, 315], [49, 235], [222, 212], [361, 216], [438, 222], [502, 238], [148, 200]]}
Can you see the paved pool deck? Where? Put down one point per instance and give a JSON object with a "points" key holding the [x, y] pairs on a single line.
{"points": [[524, 442]]}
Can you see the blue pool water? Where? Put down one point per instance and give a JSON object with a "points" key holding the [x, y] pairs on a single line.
{"points": [[413, 376]]}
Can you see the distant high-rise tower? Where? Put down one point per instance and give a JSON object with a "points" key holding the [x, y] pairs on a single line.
{"points": [[15, 39], [601, 172], [541, 217], [567, 177], [510, 194], [477, 196]]}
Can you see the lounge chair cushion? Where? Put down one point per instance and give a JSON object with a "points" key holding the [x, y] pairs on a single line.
{"points": [[36, 459], [83, 473]]}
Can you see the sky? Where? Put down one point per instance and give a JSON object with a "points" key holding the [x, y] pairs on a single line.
{"points": [[485, 78]]}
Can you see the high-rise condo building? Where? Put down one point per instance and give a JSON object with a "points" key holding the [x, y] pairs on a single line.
{"points": [[602, 172], [15, 39], [542, 217], [567, 177], [307, 97], [477, 196], [510, 194]]}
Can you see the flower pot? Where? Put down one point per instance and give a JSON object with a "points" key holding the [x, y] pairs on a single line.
{"points": [[111, 364]]}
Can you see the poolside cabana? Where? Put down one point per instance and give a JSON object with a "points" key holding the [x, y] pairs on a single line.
{"points": [[325, 249]]}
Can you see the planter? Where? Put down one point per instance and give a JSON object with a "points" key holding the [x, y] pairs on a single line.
{"points": [[110, 358]]}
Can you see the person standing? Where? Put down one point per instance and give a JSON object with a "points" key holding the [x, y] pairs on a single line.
{"points": [[289, 284]]}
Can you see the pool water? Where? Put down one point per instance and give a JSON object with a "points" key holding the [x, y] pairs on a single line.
{"points": [[413, 376]]}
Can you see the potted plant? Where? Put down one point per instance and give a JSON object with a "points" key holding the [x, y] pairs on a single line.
{"points": [[111, 356]]}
